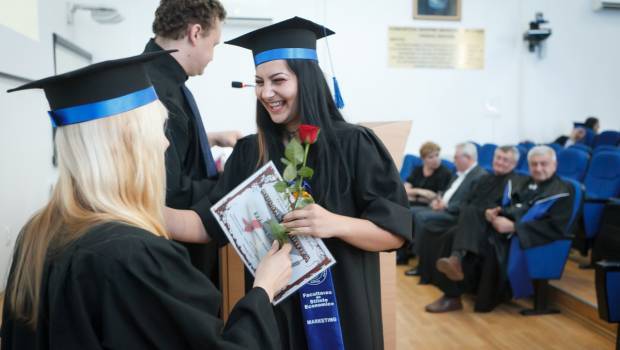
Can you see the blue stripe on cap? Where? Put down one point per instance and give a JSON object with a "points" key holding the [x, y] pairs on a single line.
{"points": [[284, 54], [102, 109]]}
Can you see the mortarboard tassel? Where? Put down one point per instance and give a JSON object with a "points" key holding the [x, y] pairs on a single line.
{"points": [[337, 96]]}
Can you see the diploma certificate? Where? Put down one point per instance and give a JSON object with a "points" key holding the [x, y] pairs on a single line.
{"points": [[244, 215]]}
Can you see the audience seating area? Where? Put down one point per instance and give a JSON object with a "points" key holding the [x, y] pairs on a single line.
{"points": [[592, 167]]}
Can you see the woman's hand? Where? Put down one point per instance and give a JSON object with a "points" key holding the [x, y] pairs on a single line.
{"points": [[274, 270], [428, 194], [314, 220]]}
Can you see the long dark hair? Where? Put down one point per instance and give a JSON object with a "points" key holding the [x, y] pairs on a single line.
{"points": [[316, 107]]}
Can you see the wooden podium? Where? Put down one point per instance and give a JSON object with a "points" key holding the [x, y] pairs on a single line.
{"points": [[394, 135]]}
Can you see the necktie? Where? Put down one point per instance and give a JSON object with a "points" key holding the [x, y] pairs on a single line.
{"points": [[202, 134]]}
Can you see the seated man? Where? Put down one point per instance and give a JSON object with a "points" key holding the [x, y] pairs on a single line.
{"points": [[481, 268], [487, 194], [577, 135], [443, 211]]}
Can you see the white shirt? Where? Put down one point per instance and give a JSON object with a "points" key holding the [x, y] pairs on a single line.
{"points": [[460, 176]]}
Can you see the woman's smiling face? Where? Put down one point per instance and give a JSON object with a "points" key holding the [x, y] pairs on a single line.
{"points": [[276, 89]]}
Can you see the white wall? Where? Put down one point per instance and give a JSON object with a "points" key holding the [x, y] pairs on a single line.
{"points": [[579, 74], [536, 99]]}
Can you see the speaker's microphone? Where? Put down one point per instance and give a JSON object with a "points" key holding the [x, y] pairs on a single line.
{"points": [[239, 85]]}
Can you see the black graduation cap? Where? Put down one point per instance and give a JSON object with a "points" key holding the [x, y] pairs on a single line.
{"points": [[97, 91], [579, 125], [294, 38]]}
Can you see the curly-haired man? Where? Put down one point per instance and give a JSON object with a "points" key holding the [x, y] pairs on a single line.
{"points": [[193, 28]]}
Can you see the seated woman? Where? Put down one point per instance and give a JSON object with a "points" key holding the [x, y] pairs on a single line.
{"points": [[95, 267], [425, 183], [429, 180]]}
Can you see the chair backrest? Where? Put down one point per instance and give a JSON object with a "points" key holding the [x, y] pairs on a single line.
{"points": [[448, 164], [573, 163], [547, 261], [607, 281], [527, 144], [522, 167], [606, 148], [602, 181], [409, 163], [485, 156], [556, 147], [589, 138], [475, 144], [608, 137], [582, 147]]}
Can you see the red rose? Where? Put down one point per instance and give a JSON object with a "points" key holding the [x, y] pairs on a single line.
{"points": [[308, 133]]}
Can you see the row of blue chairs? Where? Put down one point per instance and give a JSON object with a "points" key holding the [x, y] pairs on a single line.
{"points": [[595, 178], [599, 173]]}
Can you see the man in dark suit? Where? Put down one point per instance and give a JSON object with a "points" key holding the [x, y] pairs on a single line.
{"points": [[443, 212], [193, 28]]}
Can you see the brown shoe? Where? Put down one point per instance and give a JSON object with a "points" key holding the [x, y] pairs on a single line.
{"points": [[444, 304], [451, 267]]}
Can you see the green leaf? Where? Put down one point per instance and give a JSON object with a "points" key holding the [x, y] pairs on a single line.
{"points": [[306, 201], [290, 172], [285, 161], [278, 230], [281, 186], [294, 152], [306, 172]]}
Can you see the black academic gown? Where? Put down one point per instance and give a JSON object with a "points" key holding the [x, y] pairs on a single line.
{"points": [[186, 176], [376, 194], [120, 287], [471, 224], [485, 271]]}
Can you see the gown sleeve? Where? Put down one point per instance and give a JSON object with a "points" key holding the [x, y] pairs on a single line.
{"points": [[154, 298], [552, 226], [379, 192]]}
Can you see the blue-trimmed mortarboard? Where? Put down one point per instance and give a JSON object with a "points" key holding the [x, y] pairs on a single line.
{"points": [[294, 38], [579, 125], [99, 90]]}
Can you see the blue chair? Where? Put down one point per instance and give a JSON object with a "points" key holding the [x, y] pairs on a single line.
{"points": [[607, 281], [409, 163], [606, 148], [582, 147], [522, 167], [556, 147], [588, 139], [448, 164], [475, 144], [527, 144], [607, 137], [485, 156], [573, 164], [602, 182], [546, 262]]}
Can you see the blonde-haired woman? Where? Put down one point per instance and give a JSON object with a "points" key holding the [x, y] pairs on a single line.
{"points": [[95, 267]]}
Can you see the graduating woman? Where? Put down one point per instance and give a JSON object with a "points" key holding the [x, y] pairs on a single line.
{"points": [[361, 206], [95, 267]]}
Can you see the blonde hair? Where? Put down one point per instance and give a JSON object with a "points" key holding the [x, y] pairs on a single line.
{"points": [[110, 169]]}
